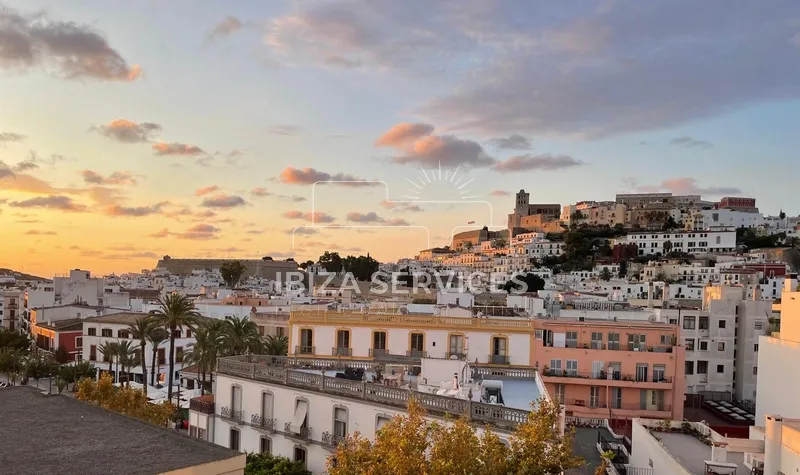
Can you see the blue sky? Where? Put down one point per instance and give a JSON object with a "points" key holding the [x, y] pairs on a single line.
{"points": [[609, 97]]}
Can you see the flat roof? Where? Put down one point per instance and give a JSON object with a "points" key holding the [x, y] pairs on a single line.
{"points": [[692, 454], [61, 435]]}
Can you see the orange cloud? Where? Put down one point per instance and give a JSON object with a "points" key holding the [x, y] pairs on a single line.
{"points": [[175, 148], [403, 134], [206, 190], [127, 131], [316, 217]]}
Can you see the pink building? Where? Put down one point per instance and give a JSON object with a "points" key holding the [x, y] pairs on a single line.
{"points": [[615, 370]]}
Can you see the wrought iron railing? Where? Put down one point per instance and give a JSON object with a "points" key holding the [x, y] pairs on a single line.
{"points": [[303, 434], [498, 359], [331, 440], [229, 414], [304, 350], [260, 422], [342, 351], [417, 353], [458, 355], [203, 407]]}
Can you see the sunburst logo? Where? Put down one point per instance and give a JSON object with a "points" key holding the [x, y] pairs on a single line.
{"points": [[449, 182]]}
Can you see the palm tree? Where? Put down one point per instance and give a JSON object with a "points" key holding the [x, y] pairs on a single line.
{"points": [[126, 356], [140, 329], [155, 337], [109, 350], [176, 311], [240, 336], [203, 352], [276, 345]]}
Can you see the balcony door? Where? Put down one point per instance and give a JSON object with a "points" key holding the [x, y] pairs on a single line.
{"points": [[379, 343]]}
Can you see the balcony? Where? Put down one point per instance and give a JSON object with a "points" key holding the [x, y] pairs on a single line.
{"points": [[230, 415], [455, 355], [341, 351], [378, 352], [304, 435], [498, 359], [331, 441], [417, 354], [202, 406], [304, 350], [584, 403], [262, 423], [601, 375]]}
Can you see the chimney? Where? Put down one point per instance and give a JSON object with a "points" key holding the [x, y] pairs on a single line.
{"points": [[790, 284], [650, 294], [757, 293]]}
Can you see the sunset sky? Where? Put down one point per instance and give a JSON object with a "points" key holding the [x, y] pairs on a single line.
{"points": [[131, 130]]}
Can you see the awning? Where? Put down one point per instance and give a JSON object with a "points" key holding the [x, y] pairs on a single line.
{"points": [[300, 413]]}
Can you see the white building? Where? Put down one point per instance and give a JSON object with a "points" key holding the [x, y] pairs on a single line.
{"points": [[715, 218], [303, 414], [11, 308], [114, 328], [697, 243]]}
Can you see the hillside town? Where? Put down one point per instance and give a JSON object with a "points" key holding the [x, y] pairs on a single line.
{"points": [[646, 314]]}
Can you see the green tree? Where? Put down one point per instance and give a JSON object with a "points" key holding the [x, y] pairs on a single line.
{"points": [[140, 330], [306, 264], [124, 400], [15, 339], [331, 261], [231, 272], [669, 223], [11, 361], [109, 351], [156, 337], [267, 464], [37, 367], [239, 336], [61, 355], [362, 267], [409, 445], [175, 311], [204, 351], [530, 283], [605, 274], [276, 345], [126, 357], [667, 247]]}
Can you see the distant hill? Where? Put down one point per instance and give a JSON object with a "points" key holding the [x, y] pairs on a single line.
{"points": [[20, 275]]}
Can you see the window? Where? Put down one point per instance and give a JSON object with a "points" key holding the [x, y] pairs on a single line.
{"points": [[379, 342], [572, 367], [234, 440], [688, 367], [456, 345], [703, 345], [555, 367], [280, 331], [594, 396], [499, 350], [722, 323], [107, 332], [417, 343], [641, 371], [236, 398], [755, 347], [759, 325], [636, 342], [192, 431], [597, 340], [665, 339], [93, 353], [561, 393], [162, 356], [720, 368], [688, 323], [266, 445], [306, 341], [123, 334], [179, 354], [703, 323], [613, 341], [702, 367], [721, 346], [266, 406], [572, 340], [188, 333], [381, 421], [92, 331], [300, 418], [689, 344], [659, 373], [339, 422], [343, 338], [755, 370], [616, 398], [177, 332], [300, 455], [78, 342]]}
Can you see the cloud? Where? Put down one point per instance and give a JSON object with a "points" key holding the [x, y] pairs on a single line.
{"points": [[26, 165], [11, 136], [284, 130], [400, 206], [126, 131], [499, 193], [688, 186], [160, 234], [55, 202], [174, 148], [226, 27], [512, 142], [292, 198], [404, 134], [373, 217], [71, 50], [316, 217], [5, 171], [418, 146], [689, 142], [200, 232], [206, 190], [260, 192], [116, 178], [34, 232], [133, 212], [304, 231], [309, 176], [132, 255], [543, 162], [222, 200]]}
